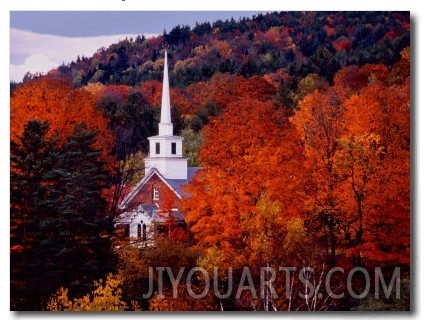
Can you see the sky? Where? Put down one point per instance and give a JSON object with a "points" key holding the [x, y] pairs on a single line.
{"points": [[43, 40]]}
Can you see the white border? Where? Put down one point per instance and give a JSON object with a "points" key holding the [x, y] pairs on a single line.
{"points": [[418, 118]]}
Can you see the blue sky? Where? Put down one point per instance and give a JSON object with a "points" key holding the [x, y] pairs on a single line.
{"points": [[42, 40], [89, 23]]}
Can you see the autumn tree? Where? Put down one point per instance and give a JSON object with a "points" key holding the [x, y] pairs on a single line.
{"points": [[243, 158], [357, 163], [55, 100], [140, 278], [376, 149], [191, 146], [320, 124], [131, 120], [106, 296], [356, 139], [168, 217]]}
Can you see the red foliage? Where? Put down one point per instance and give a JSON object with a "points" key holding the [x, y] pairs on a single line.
{"points": [[342, 44], [117, 93], [329, 31], [151, 92]]}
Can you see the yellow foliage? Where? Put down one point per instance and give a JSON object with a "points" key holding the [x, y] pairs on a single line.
{"points": [[405, 53], [105, 297]]}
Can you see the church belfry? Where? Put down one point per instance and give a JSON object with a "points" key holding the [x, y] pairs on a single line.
{"points": [[165, 149]]}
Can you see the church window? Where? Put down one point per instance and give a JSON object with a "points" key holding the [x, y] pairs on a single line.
{"points": [[155, 194], [173, 147], [144, 232], [157, 148], [139, 230]]}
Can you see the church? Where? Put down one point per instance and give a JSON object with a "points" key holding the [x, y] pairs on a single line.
{"points": [[151, 207]]}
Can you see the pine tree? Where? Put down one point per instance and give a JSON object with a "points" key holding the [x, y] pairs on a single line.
{"points": [[31, 159], [83, 225], [59, 226]]}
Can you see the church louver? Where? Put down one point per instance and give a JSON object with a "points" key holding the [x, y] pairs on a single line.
{"points": [[151, 207]]}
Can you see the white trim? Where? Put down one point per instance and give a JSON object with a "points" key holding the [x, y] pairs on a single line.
{"points": [[141, 183]]}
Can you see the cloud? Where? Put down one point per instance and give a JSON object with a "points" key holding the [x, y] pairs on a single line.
{"points": [[33, 52], [34, 63]]}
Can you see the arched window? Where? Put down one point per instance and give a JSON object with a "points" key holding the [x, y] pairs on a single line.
{"points": [[139, 230], [144, 232]]}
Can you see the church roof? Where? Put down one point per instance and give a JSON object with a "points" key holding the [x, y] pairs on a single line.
{"points": [[158, 217], [155, 214], [151, 210], [174, 184], [177, 184]]}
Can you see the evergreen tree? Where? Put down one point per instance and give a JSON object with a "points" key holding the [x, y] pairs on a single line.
{"points": [[60, 231], [83, 225], [31, 159]]}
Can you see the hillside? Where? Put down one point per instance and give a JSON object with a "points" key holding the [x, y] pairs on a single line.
{"points": [[299, 42]]}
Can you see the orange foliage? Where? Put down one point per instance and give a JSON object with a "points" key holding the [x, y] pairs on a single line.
{"points": [[249, 152], [357, 146], [224, 89], [256, 88], [319, 123], [401, 70], [55, 100], [151, 92], [167, 203], [223, 48], [384, 110], [96, 89], [179, 100], [221, 89]]}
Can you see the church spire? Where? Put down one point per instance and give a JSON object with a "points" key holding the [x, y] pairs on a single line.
{"points": [[165, 149], [165, 127]]}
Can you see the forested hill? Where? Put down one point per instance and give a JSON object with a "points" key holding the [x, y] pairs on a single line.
{"points": [[299, 42]]}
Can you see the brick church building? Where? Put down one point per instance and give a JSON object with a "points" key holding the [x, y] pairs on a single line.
{"points": [[151, 207]]}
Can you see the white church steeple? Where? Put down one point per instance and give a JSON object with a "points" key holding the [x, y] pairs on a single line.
{"points": [[165, 127], [166, 149]]}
